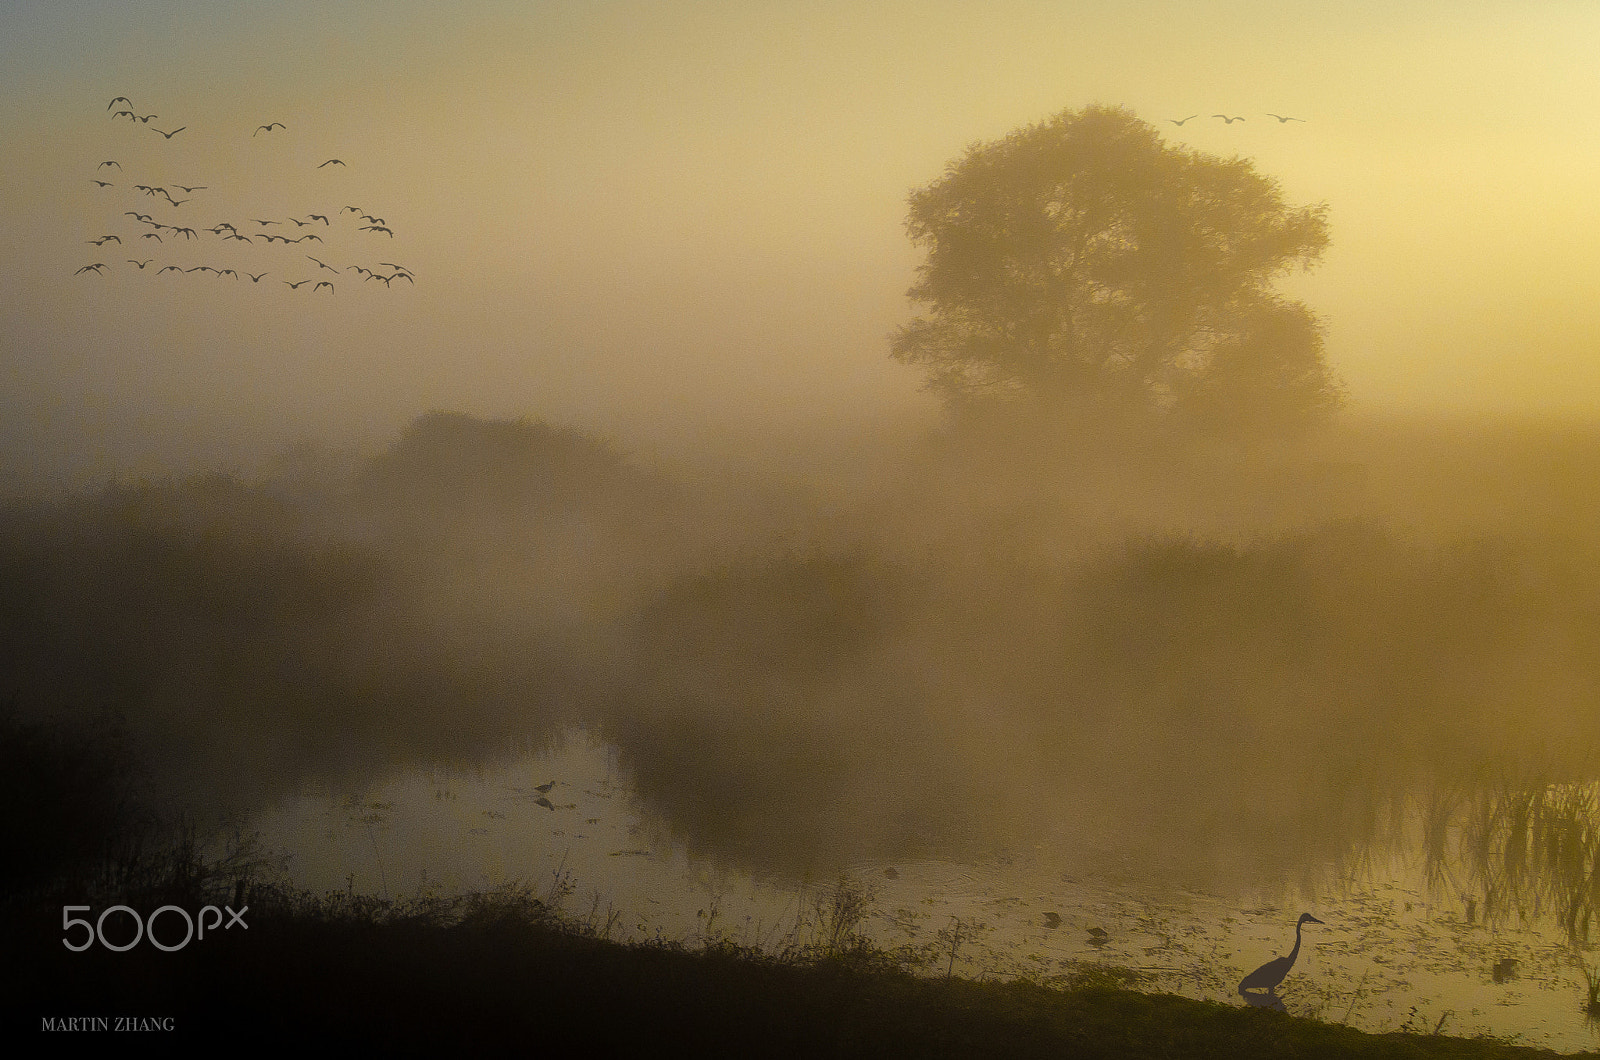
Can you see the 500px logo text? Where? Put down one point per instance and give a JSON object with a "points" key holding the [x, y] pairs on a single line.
{"points": [[194, 928]]}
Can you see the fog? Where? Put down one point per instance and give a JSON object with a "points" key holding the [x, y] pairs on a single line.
{"points": [[680, 496]]}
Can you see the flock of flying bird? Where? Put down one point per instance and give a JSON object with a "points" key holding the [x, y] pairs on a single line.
{"points": [[160, 231], [1230, 119]]}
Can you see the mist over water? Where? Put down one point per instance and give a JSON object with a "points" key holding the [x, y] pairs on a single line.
{"points": [[1209, 666]]}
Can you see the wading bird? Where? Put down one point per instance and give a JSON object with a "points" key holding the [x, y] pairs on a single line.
{"points": [[1177, 121], [1281, 118], [1227, 119], [92, 268], [268, 127], [1269, 975], [333, 162], [170, 135]]}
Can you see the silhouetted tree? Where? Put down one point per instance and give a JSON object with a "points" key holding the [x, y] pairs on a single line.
{"points": [[1086, 266]]}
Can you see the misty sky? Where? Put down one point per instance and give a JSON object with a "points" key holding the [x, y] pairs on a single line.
{"points": [[645, 218]]}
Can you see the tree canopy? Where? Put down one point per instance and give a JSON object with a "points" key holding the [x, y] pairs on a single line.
{"points": [[1086, 266]]}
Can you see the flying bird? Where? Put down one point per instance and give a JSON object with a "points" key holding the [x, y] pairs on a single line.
{"points": [[321, 285], [103, 183], [119, 99], [113, 162], [406, 276], [1269, 975], [254, 278], [1281, 118], [187, 233], [396, 268], [1227, 119], [176, 202], [1177, 121], [268, 127], [190, 191], [324, 264], [228, 272], [91, 268], [377, 228], [131, 115], [236, 235], [170, 135], [292, 286], [141, 264], [358, 268], [136, 215], [169, 268], [103, 240], [333, 162], [302, 239], [318, 217], [367, 217], [154, 236], [142, 117], [351, 209], [264, 223]]}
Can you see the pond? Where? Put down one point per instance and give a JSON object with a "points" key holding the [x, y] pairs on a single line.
{"points": [[1388, 955]]}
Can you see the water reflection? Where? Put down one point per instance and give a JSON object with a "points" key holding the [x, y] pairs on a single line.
{"points": [[1388, 953]]}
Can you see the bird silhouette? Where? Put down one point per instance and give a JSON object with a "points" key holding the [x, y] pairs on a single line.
{"points": [[141, 264], [236, 235], [142, 117], [104, 183], [367, 217], [351, 209], [377, 228], [1269, 975], [1180, 121], [296, 284], [333, 162], [254, 278], [170, 135], [1227, 119], [103, 240], [131, 115], [265, 223], [91, 268], [321, 285], [154, 236], [1281, 118], [169, 268], [324, 264], [187, 191], [113, 162], [119, 99], [176, 202], [268, 127], [187, 233], [546, 803], [136, 215], [318, 217]]}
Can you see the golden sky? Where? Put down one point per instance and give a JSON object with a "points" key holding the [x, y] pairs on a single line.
{"points": [[641, 217]]}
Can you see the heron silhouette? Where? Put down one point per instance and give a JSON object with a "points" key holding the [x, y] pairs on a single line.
{"points": [[1267, 977]]}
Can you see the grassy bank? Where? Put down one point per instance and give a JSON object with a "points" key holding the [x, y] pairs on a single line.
{"points": [[500, 971]]}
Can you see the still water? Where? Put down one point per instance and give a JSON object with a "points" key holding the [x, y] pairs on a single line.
{"points": [[1388, 956]]}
